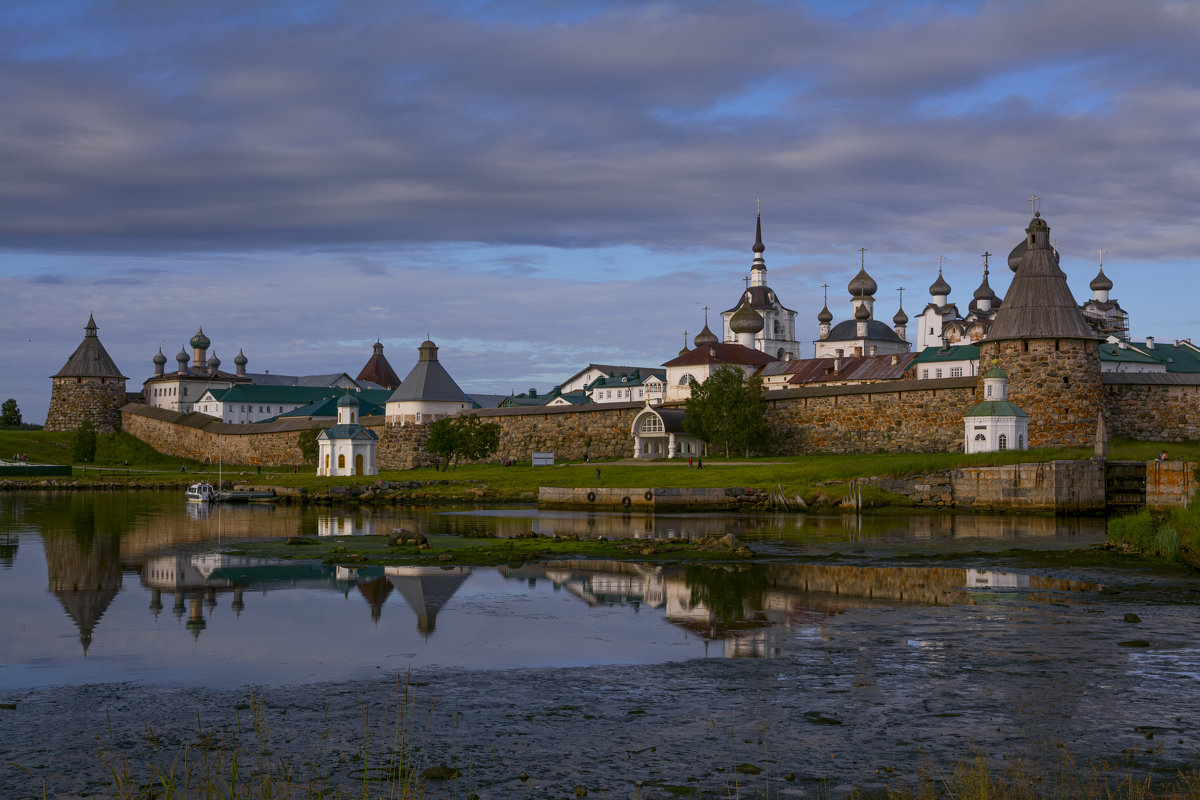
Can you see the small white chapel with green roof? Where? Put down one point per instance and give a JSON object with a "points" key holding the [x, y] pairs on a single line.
{"points": [[347, 448], [997, 423]]}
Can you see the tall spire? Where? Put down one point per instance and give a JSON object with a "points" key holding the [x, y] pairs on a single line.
{"points": [[758, 269]]}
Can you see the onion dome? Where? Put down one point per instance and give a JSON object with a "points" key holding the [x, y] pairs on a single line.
{"points": [[863, 284], [240, 359], [939, 287], [684, 351], [200, 341], [759, 247], [901, 318], [1101, 283], [984, 292], [346, 401], [994, 371], [214, 363], [159, 359], [862, 313], [705, 336], [181, 358], [826, 316], [746, 319]]}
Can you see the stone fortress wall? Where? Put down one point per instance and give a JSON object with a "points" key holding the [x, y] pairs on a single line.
{"points": [[73, 400], [901, 417]]}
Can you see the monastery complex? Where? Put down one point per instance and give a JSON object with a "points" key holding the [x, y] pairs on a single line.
{"points": [[1032, 369]]}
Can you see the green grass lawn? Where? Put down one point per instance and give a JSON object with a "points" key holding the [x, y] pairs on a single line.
{"points": [[795, 475]]}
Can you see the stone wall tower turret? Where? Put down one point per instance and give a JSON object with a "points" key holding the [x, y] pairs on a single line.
{"points": [[1050, 354], [89, 386]]}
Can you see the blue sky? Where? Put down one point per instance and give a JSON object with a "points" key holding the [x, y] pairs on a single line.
{"points": [[538, 185]]}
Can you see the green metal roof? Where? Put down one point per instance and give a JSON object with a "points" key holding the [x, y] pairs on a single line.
{"points": [[1113, 353], [996, 408], [347, 432], [251, 393], [957, 352]]}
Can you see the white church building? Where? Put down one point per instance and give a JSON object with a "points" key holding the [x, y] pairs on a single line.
{"points": [[347, 448]]}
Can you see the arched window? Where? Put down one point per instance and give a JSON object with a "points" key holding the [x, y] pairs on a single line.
{"points": [[1003, 441], [1020, 441], [341, 460], [686, 379], [979, 437], [989, 390], [651, 424]]}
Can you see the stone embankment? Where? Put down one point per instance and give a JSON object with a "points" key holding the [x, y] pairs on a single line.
{"points": [[643, 499]]}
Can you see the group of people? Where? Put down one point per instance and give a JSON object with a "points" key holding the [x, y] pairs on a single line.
{"points": [[20, 457]]}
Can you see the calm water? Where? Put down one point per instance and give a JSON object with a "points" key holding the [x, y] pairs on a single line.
{"points": [[133, 587], [848, 654]]}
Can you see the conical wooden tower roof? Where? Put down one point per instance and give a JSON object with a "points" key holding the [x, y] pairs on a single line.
{"points": [[1039, 304]]}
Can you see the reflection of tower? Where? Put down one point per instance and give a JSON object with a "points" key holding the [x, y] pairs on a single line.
{"points": [[156, 602], [376, 592], [196, 622], [238, 604], [427, 590], [84, 566]]}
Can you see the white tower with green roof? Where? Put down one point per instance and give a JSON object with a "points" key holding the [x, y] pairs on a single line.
{"points": [[997, 423]]}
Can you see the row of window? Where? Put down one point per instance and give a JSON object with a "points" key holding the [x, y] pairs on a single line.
{"points": [[167, 391], [955, 372], [1002, 440]]}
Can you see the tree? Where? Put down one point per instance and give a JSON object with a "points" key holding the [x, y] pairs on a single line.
{"points": [[10, 415], [307, 442], [728, 411], [83, 446], [462, 437]]}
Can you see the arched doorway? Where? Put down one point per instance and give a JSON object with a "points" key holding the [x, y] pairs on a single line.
{"points": [[358, 464]]}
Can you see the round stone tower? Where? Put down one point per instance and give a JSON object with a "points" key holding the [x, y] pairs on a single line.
{"points": [[89, 386], [1050, 354]]}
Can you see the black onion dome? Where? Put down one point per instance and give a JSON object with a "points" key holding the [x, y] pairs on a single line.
{"points": [[758, 242], [159, 358], [939, 287], [863, 284], [182, 356], [901, 318], [861, 313], [746, 320], [214, 363], [984, 292], [704, 337], [200, 341], [240, 359], [1101, 283], [826, 316]]}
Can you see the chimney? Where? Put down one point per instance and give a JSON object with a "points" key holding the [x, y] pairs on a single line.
{"points": [[837, 366], [858, 351], [1123, 345], [874, 350], [895, 359], [787, 356], [1149, 342]]}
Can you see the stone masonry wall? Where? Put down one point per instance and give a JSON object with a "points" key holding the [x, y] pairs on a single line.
{"points": [[1056, 382], [1154, 412], [908, 417], [201, 437], [72, 401], [602, 431]]}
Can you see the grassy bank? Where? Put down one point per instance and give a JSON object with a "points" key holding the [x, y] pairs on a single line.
{"points": [[1172, 534], [818, 479]]}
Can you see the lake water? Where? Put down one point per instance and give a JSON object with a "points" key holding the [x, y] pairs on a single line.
{"points": [[905, 636]]}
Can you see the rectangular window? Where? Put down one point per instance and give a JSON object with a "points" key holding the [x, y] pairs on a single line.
{"points": [[924, 373], [956, 372], [937, 374]]}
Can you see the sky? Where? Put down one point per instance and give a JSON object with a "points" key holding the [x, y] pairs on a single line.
{"points": [[539, 185]]}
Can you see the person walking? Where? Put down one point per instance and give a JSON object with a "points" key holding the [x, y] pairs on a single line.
{"points": [[597, 474]]}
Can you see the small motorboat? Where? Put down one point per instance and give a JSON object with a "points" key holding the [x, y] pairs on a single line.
{"points": [[202, 492]]}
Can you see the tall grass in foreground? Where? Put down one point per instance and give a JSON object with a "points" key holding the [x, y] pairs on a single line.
{"points": [[1035, 778], [242, 764]]}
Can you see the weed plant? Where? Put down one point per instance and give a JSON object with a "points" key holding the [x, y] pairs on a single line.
{"points": [[1171, 533]]}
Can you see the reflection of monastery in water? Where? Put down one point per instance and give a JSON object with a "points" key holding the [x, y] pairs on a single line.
{"points": [[198, 579], [751, 610]]}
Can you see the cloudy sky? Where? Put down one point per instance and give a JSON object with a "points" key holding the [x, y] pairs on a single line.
{"points": [[537, 185]]}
